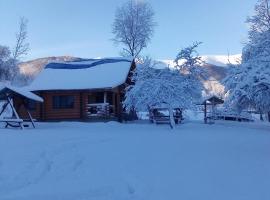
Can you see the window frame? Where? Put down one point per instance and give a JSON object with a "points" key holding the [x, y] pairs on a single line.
{"points": [[60, 102]]}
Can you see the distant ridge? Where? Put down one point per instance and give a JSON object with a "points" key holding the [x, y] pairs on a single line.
{"points": [[33, 67], [217, 60], [216, 67]]}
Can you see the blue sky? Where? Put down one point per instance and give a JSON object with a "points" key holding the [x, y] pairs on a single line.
{"points": [[83, 27]]}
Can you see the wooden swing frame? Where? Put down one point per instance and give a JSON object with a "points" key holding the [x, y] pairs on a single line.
{"points": [[7, 95]]}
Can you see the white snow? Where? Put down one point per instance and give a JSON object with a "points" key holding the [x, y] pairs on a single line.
{"points": [[111, 161], [217, 60], [21, 91], [222, 60], [108, 75]]}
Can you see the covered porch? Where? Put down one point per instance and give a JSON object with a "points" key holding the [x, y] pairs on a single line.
{"points": [[104, 104]]}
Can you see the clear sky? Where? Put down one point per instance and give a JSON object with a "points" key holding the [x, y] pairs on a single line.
{"points": [[83, 27]]}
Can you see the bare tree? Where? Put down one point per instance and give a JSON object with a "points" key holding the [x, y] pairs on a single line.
{"points": [[134, 26], [22, 46]]}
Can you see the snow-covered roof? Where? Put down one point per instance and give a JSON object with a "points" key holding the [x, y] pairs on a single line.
{"points": [[213, 100], [83, 74], [18, 91]]}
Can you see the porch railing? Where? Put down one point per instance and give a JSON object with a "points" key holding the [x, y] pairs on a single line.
{"points": [[99, 110]]}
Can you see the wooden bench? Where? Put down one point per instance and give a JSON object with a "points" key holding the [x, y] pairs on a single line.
{"points": [[165, 119], [14, 123], [161, 119]]}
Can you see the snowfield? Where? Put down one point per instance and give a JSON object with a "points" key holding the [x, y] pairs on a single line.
{"points": [[111, 161]]}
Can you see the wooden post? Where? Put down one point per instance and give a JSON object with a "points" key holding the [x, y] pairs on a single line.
{"points": [[81, 105], [14, 111], [119, 107], [114, 103], [12, 107], [30, 116], [42, 107], [105, 97], [105, 108], [205, 113], [3, 108]]}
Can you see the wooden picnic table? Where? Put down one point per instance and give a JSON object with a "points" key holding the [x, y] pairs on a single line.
{"points": [[15, 123]]}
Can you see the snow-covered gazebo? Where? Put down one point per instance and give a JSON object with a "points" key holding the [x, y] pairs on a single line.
{"points": [[212, 102]]}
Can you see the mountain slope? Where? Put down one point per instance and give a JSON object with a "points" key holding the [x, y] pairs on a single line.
{"points": [[216, 67], [33, 67]]}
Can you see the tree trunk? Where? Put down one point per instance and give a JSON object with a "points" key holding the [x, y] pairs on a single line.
{"points": [[261, 116], [268, 116], [133, 114], [172, 122], [205, 113]]}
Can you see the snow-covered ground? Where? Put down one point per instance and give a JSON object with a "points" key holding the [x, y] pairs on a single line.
{"points": [[111, 161]]}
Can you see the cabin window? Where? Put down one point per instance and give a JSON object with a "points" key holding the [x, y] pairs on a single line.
{"points": [[63, 102], [99, 98], [96, 98], [31, 105], [110, 98]]}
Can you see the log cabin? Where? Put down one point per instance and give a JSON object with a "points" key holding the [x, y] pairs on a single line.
{"points": [[89, 89]]}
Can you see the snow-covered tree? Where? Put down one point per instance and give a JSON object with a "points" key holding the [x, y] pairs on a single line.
{"points": [[260, 21], [156, 87], [248, 84], [9, 69], [8, 65], [133, 26], [188, 61]]}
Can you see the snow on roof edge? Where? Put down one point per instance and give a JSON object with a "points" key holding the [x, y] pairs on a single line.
{"points": [[21, 91], [130, 59]]}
